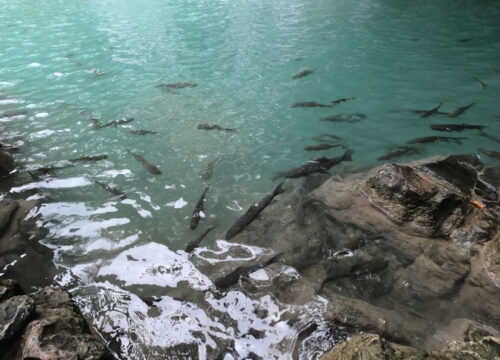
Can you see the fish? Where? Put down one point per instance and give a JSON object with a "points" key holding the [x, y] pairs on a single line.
{"points": [[481, 84], [195, 217], [112, 190], [464, 40], [193, 244], [177, 85], [13, 114], [420, 112], [429, 139], [215, 127], [338, 101], [302, 74], [90, 158], [322, 147], [253, 211], [142, 132], [319, 165], [456, 127], [147, 165], [50, 169], [398, 152], [460, 110], [350, 118], [491, 137], [94, 122], [308, 104], [207, 174], [326, 138], [118, 122], [490, 153], [95, 71], [431, 111]]}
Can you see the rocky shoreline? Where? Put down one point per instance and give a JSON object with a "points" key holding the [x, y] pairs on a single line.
{"points": [[45, 324], [406, 257]]}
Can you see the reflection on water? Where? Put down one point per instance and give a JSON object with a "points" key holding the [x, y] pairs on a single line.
{"points": [[66, 68]]}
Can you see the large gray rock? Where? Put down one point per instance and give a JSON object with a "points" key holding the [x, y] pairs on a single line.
{"points": [[60, 331], [14, 315]]}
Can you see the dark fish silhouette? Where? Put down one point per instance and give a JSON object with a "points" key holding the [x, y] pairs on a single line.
{"points": [[147, 165], [13, 114], [207, 174], [490, 153], [118, 122], [464, 40], [177, 85], [90, 158], [481, 84], [420, 112], [322, 147], [195, 217], [112, 190], [398, 153], [491, 137], [95, 71], [215, 127], [431, 111], [319, 165], [456, 127], [344, 118], [308, 104], [302, 74], [94, 122], [460, 110], [252, 212], [338, 101], [326, 138], [142, 132], [429, 139], [196, 242]]}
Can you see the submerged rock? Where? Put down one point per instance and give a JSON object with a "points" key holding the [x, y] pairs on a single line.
{"points": [[402, 250], [6, 163]]}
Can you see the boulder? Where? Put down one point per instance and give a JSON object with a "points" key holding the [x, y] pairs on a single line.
{"points": [[15, 313], [59, 331]]}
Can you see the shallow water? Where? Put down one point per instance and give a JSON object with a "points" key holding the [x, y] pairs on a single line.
{"points": [[392, 57]]}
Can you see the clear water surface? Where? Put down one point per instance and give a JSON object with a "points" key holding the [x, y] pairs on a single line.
{"points": [[392, 56]]}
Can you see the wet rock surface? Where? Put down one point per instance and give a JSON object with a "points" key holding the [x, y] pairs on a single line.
{"points": [[19, 244], [374, 347], [46, 325], [403, 250]]}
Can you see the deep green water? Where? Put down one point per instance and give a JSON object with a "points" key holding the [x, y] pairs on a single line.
{"points": [[392, 56]]}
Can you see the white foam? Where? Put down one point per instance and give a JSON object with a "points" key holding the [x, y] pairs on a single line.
{"points": [[178, 204]]}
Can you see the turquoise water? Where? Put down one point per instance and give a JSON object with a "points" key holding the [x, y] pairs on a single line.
{"points": [[392, 56]]}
